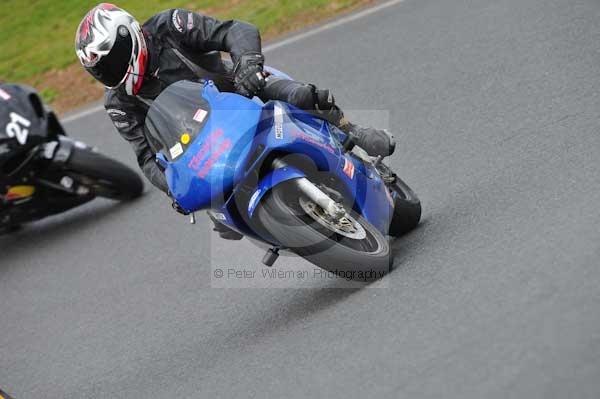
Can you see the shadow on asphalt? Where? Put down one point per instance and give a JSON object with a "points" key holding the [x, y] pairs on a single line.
{"points": [[54, 228], [293, 307], [405, 246]]}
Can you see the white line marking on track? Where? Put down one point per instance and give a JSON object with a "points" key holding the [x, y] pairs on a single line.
{"points": [[333, 24], [82, 114], [274, 46]]}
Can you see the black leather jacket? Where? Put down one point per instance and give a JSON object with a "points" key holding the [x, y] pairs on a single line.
{"points": [[182, 45]]}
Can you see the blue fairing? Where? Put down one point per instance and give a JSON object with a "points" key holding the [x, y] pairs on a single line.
{"points": [[271, 180], [239, 134], [208, 167]]}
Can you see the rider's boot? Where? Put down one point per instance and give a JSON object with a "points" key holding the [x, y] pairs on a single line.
{"points": [[224, 231], [320, 101], [375, 142]]}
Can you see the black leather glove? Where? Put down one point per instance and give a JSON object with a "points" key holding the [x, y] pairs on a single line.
{"points": [[249, 77]]}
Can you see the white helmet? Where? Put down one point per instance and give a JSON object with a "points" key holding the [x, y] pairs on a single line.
{"points": [[111, 46]]}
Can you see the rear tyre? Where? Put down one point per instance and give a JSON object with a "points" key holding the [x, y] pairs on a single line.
{"points": [[9, 229], [104, 176], [366, 256], [407, 209]]}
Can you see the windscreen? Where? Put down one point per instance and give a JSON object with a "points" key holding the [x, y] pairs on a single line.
{"points": [[176, 117]]}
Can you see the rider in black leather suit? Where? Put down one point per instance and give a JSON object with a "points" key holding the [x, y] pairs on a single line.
{"points": [[179, 45]]}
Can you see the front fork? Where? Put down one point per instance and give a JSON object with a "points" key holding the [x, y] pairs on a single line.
{"points": [[335, 210]]}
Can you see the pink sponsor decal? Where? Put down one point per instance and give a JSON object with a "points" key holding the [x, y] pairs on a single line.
{"points": [[196, 160], [315, 140], [225, 145]]}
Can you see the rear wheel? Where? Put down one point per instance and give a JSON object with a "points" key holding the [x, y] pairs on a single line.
{"points": [[407, 209], [104, 176], [350, 247]]}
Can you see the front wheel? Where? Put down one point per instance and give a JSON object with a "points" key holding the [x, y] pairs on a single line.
{"points": [[350, 247], [104, 176]]}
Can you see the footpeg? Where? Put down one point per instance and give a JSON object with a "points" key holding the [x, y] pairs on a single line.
{"points": [[271, 256]]}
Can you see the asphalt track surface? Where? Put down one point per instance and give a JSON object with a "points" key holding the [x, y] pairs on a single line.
{"points": [[495, 295]]}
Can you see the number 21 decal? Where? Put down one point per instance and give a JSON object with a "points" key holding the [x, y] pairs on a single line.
{"points": [[16, 128]]}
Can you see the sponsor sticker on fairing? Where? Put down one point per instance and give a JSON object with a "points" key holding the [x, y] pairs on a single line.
{"points": [[200, 115], [176, 150], [348, 168], [279, 131], [278, 122], [4, 95]]}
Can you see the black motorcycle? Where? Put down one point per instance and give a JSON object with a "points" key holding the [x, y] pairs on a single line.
{"points": [[42, 171]]}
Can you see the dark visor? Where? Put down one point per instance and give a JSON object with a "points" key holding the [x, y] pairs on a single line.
{"points": [[111, 69]]}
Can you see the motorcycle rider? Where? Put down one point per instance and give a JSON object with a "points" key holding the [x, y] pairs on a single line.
{"points": [[137, 62]]}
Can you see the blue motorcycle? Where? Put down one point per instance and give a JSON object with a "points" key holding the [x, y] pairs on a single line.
{"points": [[280, 176]]}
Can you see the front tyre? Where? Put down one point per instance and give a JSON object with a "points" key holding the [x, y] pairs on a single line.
{"points": [[359, 252], [104, 176]]}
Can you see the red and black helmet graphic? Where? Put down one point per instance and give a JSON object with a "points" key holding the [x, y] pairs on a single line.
{"points": [[87, 27], [110, 45]]}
